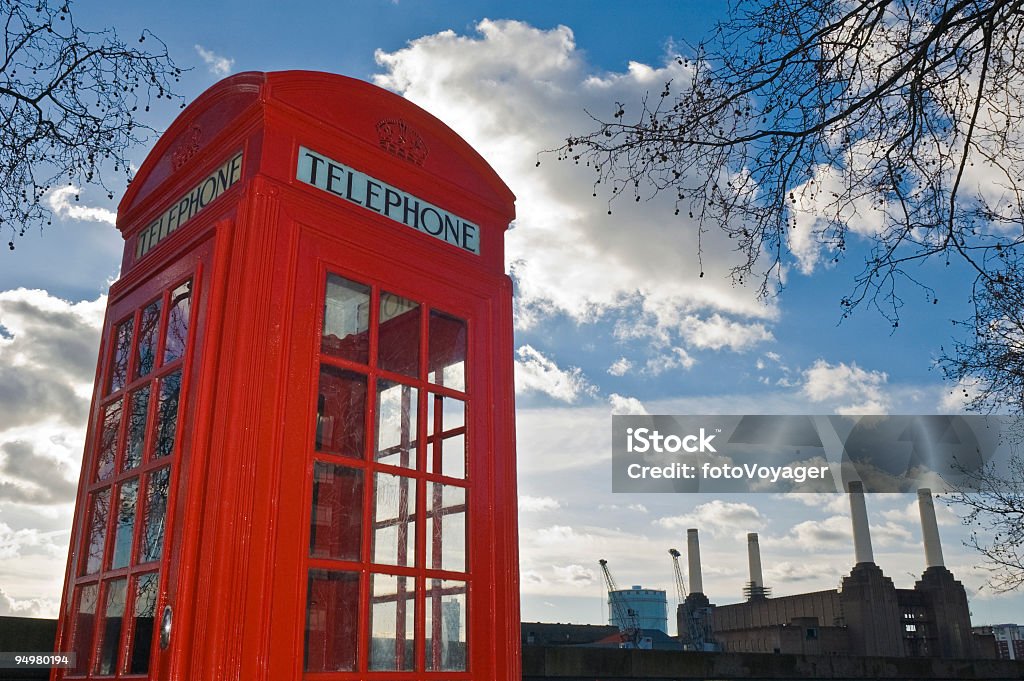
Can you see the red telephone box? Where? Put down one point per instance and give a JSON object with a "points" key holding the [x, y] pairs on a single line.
{"points": [[300, 458]]}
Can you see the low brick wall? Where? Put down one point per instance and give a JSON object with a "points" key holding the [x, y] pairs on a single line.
{"points": [[563, 663]]}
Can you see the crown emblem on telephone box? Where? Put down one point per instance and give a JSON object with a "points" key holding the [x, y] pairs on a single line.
{"points": [[397, 137]]}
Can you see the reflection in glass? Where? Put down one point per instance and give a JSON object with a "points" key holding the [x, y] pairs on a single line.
{"points": [[152, 541], [447, 340], [446, 429], [126, 505], [108, 440], [177, 322], [167, 414], [396, 424], [138, 411], [118, 376], [398, 345], [394, 519], [347, 320], [97, 531], [337, 519], [110, 634], [145, 612], [446, 528], [341, 408], [391, 623], [149, 328], [446, 625], [85, 625], [332, 621]]}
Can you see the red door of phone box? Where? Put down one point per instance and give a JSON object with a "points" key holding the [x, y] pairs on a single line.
{"points": [[300, 456]]}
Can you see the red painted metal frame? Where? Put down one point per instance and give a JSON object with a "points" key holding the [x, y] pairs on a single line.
{"points": [[236, 551]]}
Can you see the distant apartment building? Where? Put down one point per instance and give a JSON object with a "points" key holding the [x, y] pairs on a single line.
{"points": [[1009, 639]]}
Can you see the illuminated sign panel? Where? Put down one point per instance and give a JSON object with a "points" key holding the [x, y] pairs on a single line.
{"points": [[185, 208], [391, 202]]}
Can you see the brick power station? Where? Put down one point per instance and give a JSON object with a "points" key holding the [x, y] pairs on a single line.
{"points": [[866, 616]]}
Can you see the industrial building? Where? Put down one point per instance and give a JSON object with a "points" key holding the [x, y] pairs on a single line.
{"points": [[866, 616], [644, 608]]}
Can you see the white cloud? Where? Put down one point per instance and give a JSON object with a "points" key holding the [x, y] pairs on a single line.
{"points": [[832, 532], [63, 201], [32, 607], [48, 350], [676, 358], [851, 389], [47, 357], [574, 575], [218, 65], [620, 366], [835, 503], [786, 572], [957, 399], [911, 514], [639, 508], [717, 332], [717, 517], [626, 406], [535, 372], [512, 90], [528, 504]]}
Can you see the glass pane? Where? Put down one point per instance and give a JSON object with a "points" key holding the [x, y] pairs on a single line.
{"points": [[108, 440], [391, 623], [398, 346], [85, 627], [396, 424], [97, 531], [446, 528], [167, 414], [447, 338], [446, 626], [118, 375], [110, 635], [149, 331], [138, 411], [152, 541], [446, 429], [126, 504], [337, 512], [394, 519], [146, 587], [177, 322], [346, 320], [332, 621], [341, 410]]}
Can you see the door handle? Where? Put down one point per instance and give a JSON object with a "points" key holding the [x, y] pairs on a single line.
{"points": [[166, 620]]}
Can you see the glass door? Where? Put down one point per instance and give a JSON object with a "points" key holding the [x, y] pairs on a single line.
{"points": [[130, 471], [386, 568]]}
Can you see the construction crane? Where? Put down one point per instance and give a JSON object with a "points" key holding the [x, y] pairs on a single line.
{"points": [[694, 629], [629, 628]]}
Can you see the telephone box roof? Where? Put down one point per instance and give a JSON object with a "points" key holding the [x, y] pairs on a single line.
{"points": [[362, 117]]}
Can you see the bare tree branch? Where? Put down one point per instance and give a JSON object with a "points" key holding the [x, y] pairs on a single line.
{"points": [[801, 125], [876, 117], [68, 105]]}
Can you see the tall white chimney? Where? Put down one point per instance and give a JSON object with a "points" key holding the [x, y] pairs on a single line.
{"points": [[859, 516], [929, 529], [693, 559], [754, 559]]}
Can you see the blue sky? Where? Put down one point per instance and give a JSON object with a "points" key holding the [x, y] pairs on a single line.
{"points": [[611, 315]]}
